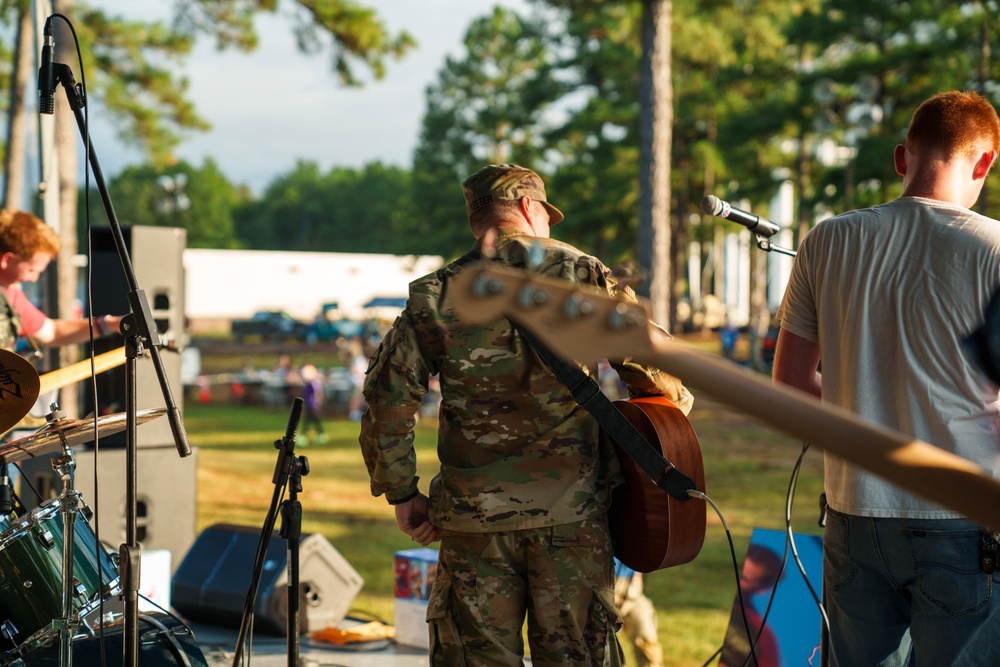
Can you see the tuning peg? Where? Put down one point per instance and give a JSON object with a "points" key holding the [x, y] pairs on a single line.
{"points": [[577, 305], [529, 297], [623, 316], [485, 286]]}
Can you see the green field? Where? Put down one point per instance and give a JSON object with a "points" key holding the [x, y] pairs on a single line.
{"points": [[747, 465]]}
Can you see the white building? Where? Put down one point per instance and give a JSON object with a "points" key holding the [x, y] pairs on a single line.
{"points": [[223, 285]]}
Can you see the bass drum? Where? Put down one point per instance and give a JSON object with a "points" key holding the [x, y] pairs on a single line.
{"points": [[163, 642]]}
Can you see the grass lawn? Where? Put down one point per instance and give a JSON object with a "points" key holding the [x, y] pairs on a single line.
{"points": [[747, 468]]}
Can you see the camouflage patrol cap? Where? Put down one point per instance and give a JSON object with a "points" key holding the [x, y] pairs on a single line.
{"points": [[505, 182]]}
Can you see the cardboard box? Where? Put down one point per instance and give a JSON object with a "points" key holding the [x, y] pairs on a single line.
{"points": [[415, 570]]}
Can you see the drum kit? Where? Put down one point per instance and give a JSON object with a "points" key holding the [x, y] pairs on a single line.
{"points": [[58, 583]]}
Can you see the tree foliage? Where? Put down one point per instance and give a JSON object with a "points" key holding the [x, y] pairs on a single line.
{"points": [[556, 89], [199, 199], [353, 33], [130, 66], [344, 210], [133, 64], [488, 107]]}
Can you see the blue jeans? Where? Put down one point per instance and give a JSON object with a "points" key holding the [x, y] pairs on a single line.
{"points": [[904, 592]]}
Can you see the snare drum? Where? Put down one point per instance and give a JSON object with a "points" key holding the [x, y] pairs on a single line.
{"points": [[31, 560]]}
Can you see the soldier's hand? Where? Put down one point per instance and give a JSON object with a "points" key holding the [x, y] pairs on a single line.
{"points": [[411, 517]]}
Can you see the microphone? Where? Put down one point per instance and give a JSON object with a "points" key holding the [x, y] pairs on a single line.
{"points": [[6, 501], [293, 418], [712, 205], [46, 74]]}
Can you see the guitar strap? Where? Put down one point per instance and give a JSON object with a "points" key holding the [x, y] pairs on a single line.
{"points": [[588, 394]]}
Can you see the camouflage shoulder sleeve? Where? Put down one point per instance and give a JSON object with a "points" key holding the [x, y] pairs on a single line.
{"points": [[395, 384]]}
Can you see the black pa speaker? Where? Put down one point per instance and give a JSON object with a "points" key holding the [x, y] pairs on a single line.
{"points": [[211, 583]]}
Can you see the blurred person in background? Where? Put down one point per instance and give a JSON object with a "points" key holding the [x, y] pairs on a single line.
{"points": [[312, 399]]}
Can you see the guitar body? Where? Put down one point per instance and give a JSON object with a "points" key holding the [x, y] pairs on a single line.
{"points": [[652, 530]]}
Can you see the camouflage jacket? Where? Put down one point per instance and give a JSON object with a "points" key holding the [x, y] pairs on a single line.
{"points": [[515, 449]]}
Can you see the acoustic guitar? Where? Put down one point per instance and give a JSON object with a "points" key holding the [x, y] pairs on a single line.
{"points": [[586, 324], [651, 529], [62, 377]]}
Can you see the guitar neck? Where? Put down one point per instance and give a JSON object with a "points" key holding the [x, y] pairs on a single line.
{"points": [[81, 370], [586, 324]]}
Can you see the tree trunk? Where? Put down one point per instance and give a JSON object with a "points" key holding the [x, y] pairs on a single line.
{"points": [[984, 76], [67, 136], [801, 184], [678, 255], [655, 126], [19, 78]]}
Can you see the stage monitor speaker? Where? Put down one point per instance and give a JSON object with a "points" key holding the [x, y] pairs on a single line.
{"points": [[211, 583], [157, 255], [165, 495]]}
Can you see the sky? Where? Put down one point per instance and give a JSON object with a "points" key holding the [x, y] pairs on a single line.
{"points": [[275, 106]]}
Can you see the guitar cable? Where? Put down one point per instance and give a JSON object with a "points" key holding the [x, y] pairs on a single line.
{"points": [[791, 547], [790, 540], [751, 657], [694, 493]]}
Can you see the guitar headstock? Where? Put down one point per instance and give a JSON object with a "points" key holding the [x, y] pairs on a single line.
{"points": [[576, 321]]}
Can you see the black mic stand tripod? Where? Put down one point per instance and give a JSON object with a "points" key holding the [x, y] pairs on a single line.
{"points": [[289, 470], [141, 336]]}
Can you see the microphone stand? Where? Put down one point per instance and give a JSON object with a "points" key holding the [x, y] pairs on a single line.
{"points": [[287, 466], [766, 245], [291, 530], [140, 333]]}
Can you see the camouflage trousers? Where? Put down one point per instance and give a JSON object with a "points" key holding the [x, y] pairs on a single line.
{"points": [[560, 578]]}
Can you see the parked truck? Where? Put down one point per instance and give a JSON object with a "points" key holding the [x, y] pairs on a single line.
{"points": [[331, 324], [269, 325]]}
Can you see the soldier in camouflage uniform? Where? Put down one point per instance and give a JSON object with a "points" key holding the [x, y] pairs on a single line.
{"points": [[520, 502], [27, 245]]}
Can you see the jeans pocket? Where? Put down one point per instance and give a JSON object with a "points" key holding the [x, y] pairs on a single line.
{"points": [[445, 648], [838, 567], [602, 630], [948, 569]]}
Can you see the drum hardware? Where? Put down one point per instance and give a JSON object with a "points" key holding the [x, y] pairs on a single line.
{"points": [[31, 563], [9, 631], [88, 575], [69, 432], [51, 584], [164, 641], [69, 501]]}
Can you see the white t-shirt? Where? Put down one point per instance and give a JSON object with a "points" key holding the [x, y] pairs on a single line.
{"points": [[889, 293]]}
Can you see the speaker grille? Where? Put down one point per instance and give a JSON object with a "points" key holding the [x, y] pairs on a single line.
{"points": [[211, 583]]}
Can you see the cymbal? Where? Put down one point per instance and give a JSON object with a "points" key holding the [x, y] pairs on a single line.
{"points": [[51, 437], [19, 385]]}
